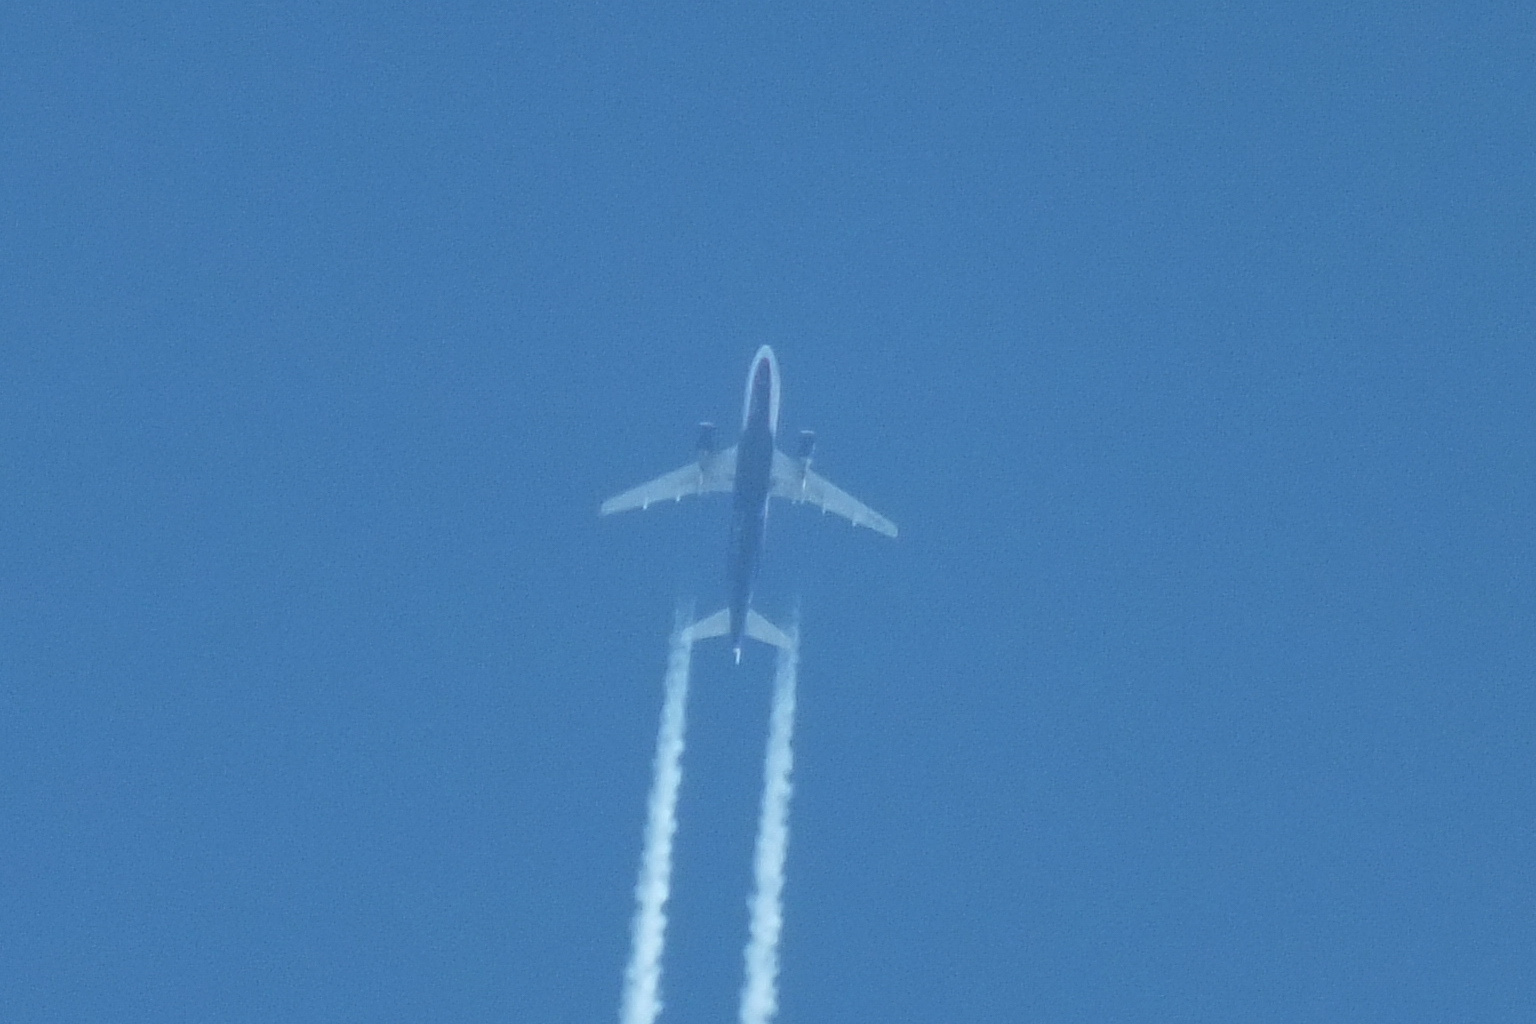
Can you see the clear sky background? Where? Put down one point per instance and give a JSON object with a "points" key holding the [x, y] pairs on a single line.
{"points": [[1189, 344]]}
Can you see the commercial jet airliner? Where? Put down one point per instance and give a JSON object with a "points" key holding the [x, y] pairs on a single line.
{"points": [[753, 470]]}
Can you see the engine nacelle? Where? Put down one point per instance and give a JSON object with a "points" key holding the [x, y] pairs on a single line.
{"points": [[805, 447], [706, 445]]}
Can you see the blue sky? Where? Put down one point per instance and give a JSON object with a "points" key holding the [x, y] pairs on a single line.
{"points": [[1189, 344]]}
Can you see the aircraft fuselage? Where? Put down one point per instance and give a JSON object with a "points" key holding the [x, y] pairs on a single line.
{"points": [[754, 467], [753, 470]]}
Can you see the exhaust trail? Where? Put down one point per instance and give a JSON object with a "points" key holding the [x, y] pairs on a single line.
{"points": [[760, 993], [642, 977]]}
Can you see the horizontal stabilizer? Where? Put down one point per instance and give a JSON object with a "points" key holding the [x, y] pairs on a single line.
{"points": [[759, 628], [711, 626]]}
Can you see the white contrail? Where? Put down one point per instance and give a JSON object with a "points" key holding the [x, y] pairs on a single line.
{"points": [[642, 978], [759, 994]]}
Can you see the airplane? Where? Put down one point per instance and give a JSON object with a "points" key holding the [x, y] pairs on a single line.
{"points": [[753, 470]]}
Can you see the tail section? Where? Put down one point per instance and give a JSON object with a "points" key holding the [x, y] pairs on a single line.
{"points": [[758, 628], [763, 631]]}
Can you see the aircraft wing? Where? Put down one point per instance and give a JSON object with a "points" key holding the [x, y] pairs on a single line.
{"points": [[715, 472], [793, 483]]}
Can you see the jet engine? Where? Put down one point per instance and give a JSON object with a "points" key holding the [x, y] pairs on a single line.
{"points": [[804, 448], [706, 445]]}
